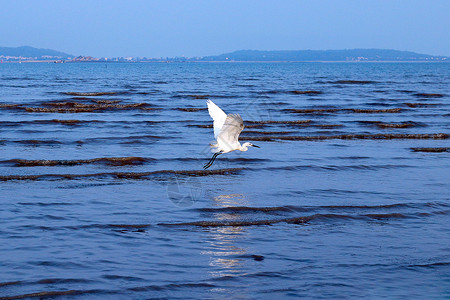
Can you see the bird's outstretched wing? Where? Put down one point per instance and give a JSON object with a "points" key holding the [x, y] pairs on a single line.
{"points": [[218, 115], [231, 130]]}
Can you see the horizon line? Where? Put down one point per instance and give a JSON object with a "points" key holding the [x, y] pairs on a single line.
{"points": [[223, 53]]}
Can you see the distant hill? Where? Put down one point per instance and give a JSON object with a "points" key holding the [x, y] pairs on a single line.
{"points": [[31, 53], [324, 55], [27, 53]]}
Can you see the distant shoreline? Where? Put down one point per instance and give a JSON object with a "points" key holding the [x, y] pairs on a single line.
{"points": [[30, 54]]}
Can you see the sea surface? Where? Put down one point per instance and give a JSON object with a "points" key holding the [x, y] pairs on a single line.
{"points": [[103, 192]]}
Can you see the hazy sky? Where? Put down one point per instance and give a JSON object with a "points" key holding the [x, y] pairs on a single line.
{"points": [[156, 28]]}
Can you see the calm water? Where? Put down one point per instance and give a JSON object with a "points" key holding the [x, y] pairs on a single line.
{"points": [[102, 191]]}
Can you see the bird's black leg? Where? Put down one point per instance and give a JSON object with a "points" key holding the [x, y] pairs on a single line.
{"points": [[209, 164]]}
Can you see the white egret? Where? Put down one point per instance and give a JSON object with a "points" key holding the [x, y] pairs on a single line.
{"points": [[226, 131]]}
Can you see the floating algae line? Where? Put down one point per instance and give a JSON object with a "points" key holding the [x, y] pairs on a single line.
{"points": [[299, 220], [267, 132], [78, 107], [419, 104], [433, 150], [279, 122], [190, 109], [348, 110], [295, 220], [353, 82], [435, 136], [429, 95], [114, 161], [121, 175], [295, 92], [49, 294], [91, 94], [305, 92], [383, 125]]}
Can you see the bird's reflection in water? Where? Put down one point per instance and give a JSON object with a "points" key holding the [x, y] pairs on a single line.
{"points": [[225, 257]]}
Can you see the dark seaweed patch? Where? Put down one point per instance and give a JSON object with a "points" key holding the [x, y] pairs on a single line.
{"points": [[290, 208], [391, 125], [91, 94], [191, 109], [295, 220], [38, 142], [279, 122], [53, 121], [266, 132], [10, 106], [211, 126], [122, 175], [386, 216], [9, 283], [305, 92], [124, 139], [382, 125], [300, 123], [300, 220], [353, 82], [65, 122], [94, 106], [113, 161], [128, 226], [436, 136], [58, 110], [199, 96], [421, 104], [327, 126], [257, 257], [428, 95], [246, 209], [106, 101], [431, 266], [50, 294], [373, 111], [312, 110], [81, 98], [295, 92], [88, 103], [61, 280], [351, 110], [433, 150], [78, 107]]}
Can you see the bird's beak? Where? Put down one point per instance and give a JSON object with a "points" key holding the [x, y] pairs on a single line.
{"points": [[256, 146]]}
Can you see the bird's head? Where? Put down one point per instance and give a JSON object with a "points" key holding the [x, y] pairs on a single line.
{"points": [[247, 144]]}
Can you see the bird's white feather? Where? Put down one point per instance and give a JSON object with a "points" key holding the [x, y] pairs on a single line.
{"points": [[218, 115], [228, 138]]}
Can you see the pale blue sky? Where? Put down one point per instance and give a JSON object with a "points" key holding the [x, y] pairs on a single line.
{"points": [[208, 27]]}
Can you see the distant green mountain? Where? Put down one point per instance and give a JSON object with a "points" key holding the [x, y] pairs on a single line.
{"points": [[324, 55], [31, 53]]}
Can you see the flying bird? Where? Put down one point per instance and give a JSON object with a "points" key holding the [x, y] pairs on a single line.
{"points": [[226, 131]]}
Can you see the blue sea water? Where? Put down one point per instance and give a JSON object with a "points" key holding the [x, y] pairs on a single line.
{"points": [[103, 194]]}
